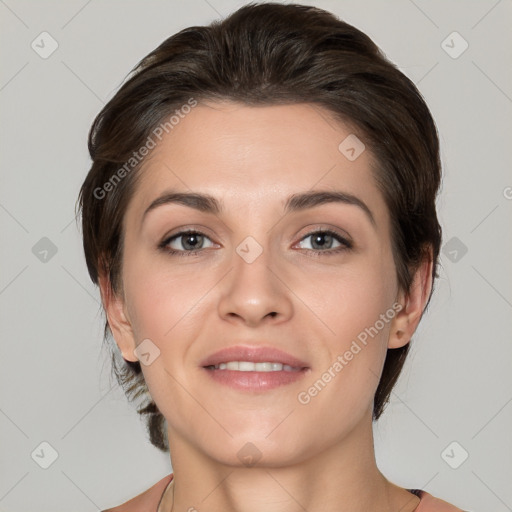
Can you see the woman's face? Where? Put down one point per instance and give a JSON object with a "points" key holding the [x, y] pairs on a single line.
{"points": [[290, 250]]}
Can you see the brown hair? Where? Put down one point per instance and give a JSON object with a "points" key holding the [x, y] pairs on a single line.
{"points": [[265, 54]]}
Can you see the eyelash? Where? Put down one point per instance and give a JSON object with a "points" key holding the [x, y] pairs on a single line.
{"points": [[346, 245], [163, 245]]}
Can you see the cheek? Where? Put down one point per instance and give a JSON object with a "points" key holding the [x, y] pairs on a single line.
{"points": [[351, 298], [164, 306], [356, 309], [161, 299]]}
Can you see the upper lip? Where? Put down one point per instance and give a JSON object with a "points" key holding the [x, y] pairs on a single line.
{"points": [[259, 354]]}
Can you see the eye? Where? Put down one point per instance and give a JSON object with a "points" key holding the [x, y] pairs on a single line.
{"points": [[324, 241], [187, 241]]}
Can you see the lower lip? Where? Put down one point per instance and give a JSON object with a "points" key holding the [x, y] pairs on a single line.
{"points": [[255, 381]]}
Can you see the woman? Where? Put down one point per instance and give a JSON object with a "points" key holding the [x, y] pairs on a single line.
{"points": [[260, 218]]}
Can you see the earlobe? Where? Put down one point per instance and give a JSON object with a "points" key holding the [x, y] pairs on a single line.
{"points": [[413, 304], [399, 332], [118, 321]]}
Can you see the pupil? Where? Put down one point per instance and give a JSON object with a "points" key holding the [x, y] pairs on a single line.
{"points": [[192, 241], [322, 241]]}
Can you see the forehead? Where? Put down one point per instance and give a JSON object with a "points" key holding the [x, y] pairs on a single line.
{"points": [[252, 157]]}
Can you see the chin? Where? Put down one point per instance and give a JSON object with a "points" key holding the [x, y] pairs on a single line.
{"points": [[258, 450]]}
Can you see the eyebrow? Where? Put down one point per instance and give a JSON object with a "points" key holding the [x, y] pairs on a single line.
{"points": [[311, 199], [296, 202], [202, 202]]}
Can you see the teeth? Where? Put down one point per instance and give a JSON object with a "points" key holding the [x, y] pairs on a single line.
{"points": [[249, 366]]}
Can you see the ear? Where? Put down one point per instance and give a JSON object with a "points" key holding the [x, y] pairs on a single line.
{"points": [[118, 321], [406, 321]]}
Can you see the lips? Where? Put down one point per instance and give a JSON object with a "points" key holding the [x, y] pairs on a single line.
{"points": [[253, 354], [289, 369]]}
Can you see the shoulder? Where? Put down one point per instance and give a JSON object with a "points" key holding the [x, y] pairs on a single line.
{"points": [[146, 501], [430, 503]]}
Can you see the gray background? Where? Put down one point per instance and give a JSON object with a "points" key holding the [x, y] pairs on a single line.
{"points": [[54, 378]]}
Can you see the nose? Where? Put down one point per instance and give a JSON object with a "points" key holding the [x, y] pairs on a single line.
{"points": [[254, 293]]}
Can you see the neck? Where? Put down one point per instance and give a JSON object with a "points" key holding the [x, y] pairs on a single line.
{"points": [[343, 477]]}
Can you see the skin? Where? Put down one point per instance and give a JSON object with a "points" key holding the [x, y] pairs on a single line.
{"points": [[311, 303]]}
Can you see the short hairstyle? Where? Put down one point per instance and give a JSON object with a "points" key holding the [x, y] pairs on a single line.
{"points": [[268, 54]]}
